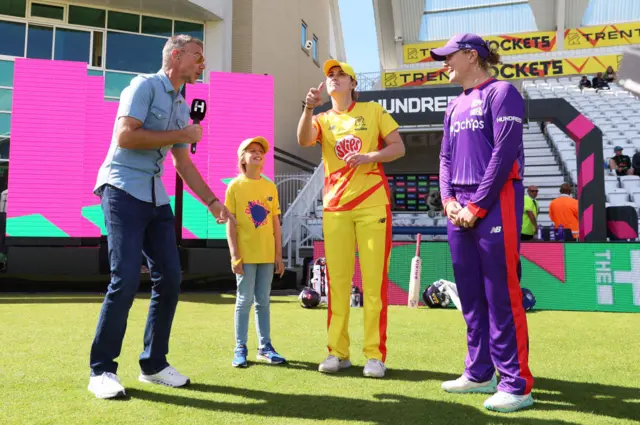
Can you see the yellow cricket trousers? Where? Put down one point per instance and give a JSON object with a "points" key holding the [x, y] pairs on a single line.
{"points": [[371, 229]]}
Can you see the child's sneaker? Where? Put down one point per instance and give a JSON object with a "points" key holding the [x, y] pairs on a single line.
{"points": [[240, 356], [269, 354], [507, 403]]}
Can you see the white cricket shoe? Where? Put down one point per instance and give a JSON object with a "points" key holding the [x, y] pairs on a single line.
{"points": [[465, 385], [167, 376], [332, 364], [374, 369], [106, 385], [506, 402]]}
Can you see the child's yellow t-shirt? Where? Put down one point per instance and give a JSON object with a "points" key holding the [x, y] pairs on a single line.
{"points": [[255, 205]]}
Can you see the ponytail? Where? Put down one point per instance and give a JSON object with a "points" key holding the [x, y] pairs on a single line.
{"points": [[492, 59]]}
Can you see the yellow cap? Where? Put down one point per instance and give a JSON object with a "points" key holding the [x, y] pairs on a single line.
{"points": [[245, 143], [345, 67]]}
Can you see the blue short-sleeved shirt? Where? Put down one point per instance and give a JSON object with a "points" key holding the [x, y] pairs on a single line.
{"points": [[152, 100]]}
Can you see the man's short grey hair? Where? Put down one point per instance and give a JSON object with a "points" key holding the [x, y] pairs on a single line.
{"points": [[177, 42]]}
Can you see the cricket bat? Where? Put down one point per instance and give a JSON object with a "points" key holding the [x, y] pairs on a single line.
{"points": [[414, 279]]}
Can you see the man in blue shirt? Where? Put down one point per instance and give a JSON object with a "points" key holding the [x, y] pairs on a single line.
{"points": [[152, 119]]}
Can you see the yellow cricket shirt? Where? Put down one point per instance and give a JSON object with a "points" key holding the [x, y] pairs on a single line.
{"points": [[255, 205], [360, 129]]}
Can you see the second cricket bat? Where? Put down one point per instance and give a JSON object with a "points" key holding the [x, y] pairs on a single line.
{"points": [[414, 280]]}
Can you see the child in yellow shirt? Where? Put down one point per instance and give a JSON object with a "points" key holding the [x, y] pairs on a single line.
{"points": [[255, 246]]}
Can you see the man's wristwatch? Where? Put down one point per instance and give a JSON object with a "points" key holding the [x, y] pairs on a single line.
{"points": [[213, 201]]}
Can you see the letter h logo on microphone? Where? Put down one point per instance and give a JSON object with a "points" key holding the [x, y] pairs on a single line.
{"points": [[198, 109]]}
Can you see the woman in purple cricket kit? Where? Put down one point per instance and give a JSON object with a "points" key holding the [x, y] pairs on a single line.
{"points": [[481, 171]]}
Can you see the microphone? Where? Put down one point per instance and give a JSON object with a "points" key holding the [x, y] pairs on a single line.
{"points": [[198, 109]]}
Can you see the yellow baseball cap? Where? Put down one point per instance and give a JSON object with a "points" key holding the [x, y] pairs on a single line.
{"points": [[245, 143], [345, 67]]}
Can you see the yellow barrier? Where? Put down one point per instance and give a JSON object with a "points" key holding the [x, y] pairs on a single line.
{"points": [[509, 71]]}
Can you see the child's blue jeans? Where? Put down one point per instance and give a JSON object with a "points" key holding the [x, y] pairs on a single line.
{"points": [[255, 283]]}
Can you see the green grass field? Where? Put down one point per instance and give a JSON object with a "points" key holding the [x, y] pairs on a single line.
{"points": [[586, 365]]}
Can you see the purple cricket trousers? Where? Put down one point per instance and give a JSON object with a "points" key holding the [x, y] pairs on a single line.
{"points": [[486, 266]]}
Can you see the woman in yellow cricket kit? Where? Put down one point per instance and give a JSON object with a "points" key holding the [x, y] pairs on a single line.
{"points": [[355, 137]]}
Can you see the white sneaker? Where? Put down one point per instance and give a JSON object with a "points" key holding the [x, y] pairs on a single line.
{"points": [[167, 376], [464, 385], [374, 369], [106, 385], [506, 402], [332, 364]]}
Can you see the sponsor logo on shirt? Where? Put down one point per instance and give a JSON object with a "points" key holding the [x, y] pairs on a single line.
{"points": [[468, 124], [509, 118], [257, 212], [347, 145], [476, 111], [360, 124], [476, 102]]}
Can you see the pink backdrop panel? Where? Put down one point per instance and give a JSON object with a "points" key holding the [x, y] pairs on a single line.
{"points": [[47, 142], [241, 106]]}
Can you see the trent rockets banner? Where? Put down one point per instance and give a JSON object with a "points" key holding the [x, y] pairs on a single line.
{"points": [[540, 42], [508, 71], [602, 36], [514, 44]]}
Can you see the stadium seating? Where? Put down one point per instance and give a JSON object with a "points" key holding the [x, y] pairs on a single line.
{"points": [[541, 169], [616, 112]]}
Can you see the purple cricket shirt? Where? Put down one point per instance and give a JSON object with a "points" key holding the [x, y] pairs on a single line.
{"points": [[482, 145]]}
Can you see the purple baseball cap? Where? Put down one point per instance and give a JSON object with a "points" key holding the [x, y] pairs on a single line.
{"points": [[461, 42]]}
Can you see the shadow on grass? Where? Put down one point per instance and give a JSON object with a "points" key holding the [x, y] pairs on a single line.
{"points": [[388, 409], [356, 372], [599, 399], [549, 395]]}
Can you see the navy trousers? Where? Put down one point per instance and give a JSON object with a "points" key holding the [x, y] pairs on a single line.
{"points": [[136, 228]]}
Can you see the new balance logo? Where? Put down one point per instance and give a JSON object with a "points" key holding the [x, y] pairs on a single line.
{"points": [[496, 229]]}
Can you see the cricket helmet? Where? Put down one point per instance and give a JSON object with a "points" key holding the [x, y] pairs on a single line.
{"points": [[434, 298], [309, 298], [528, 299]]}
